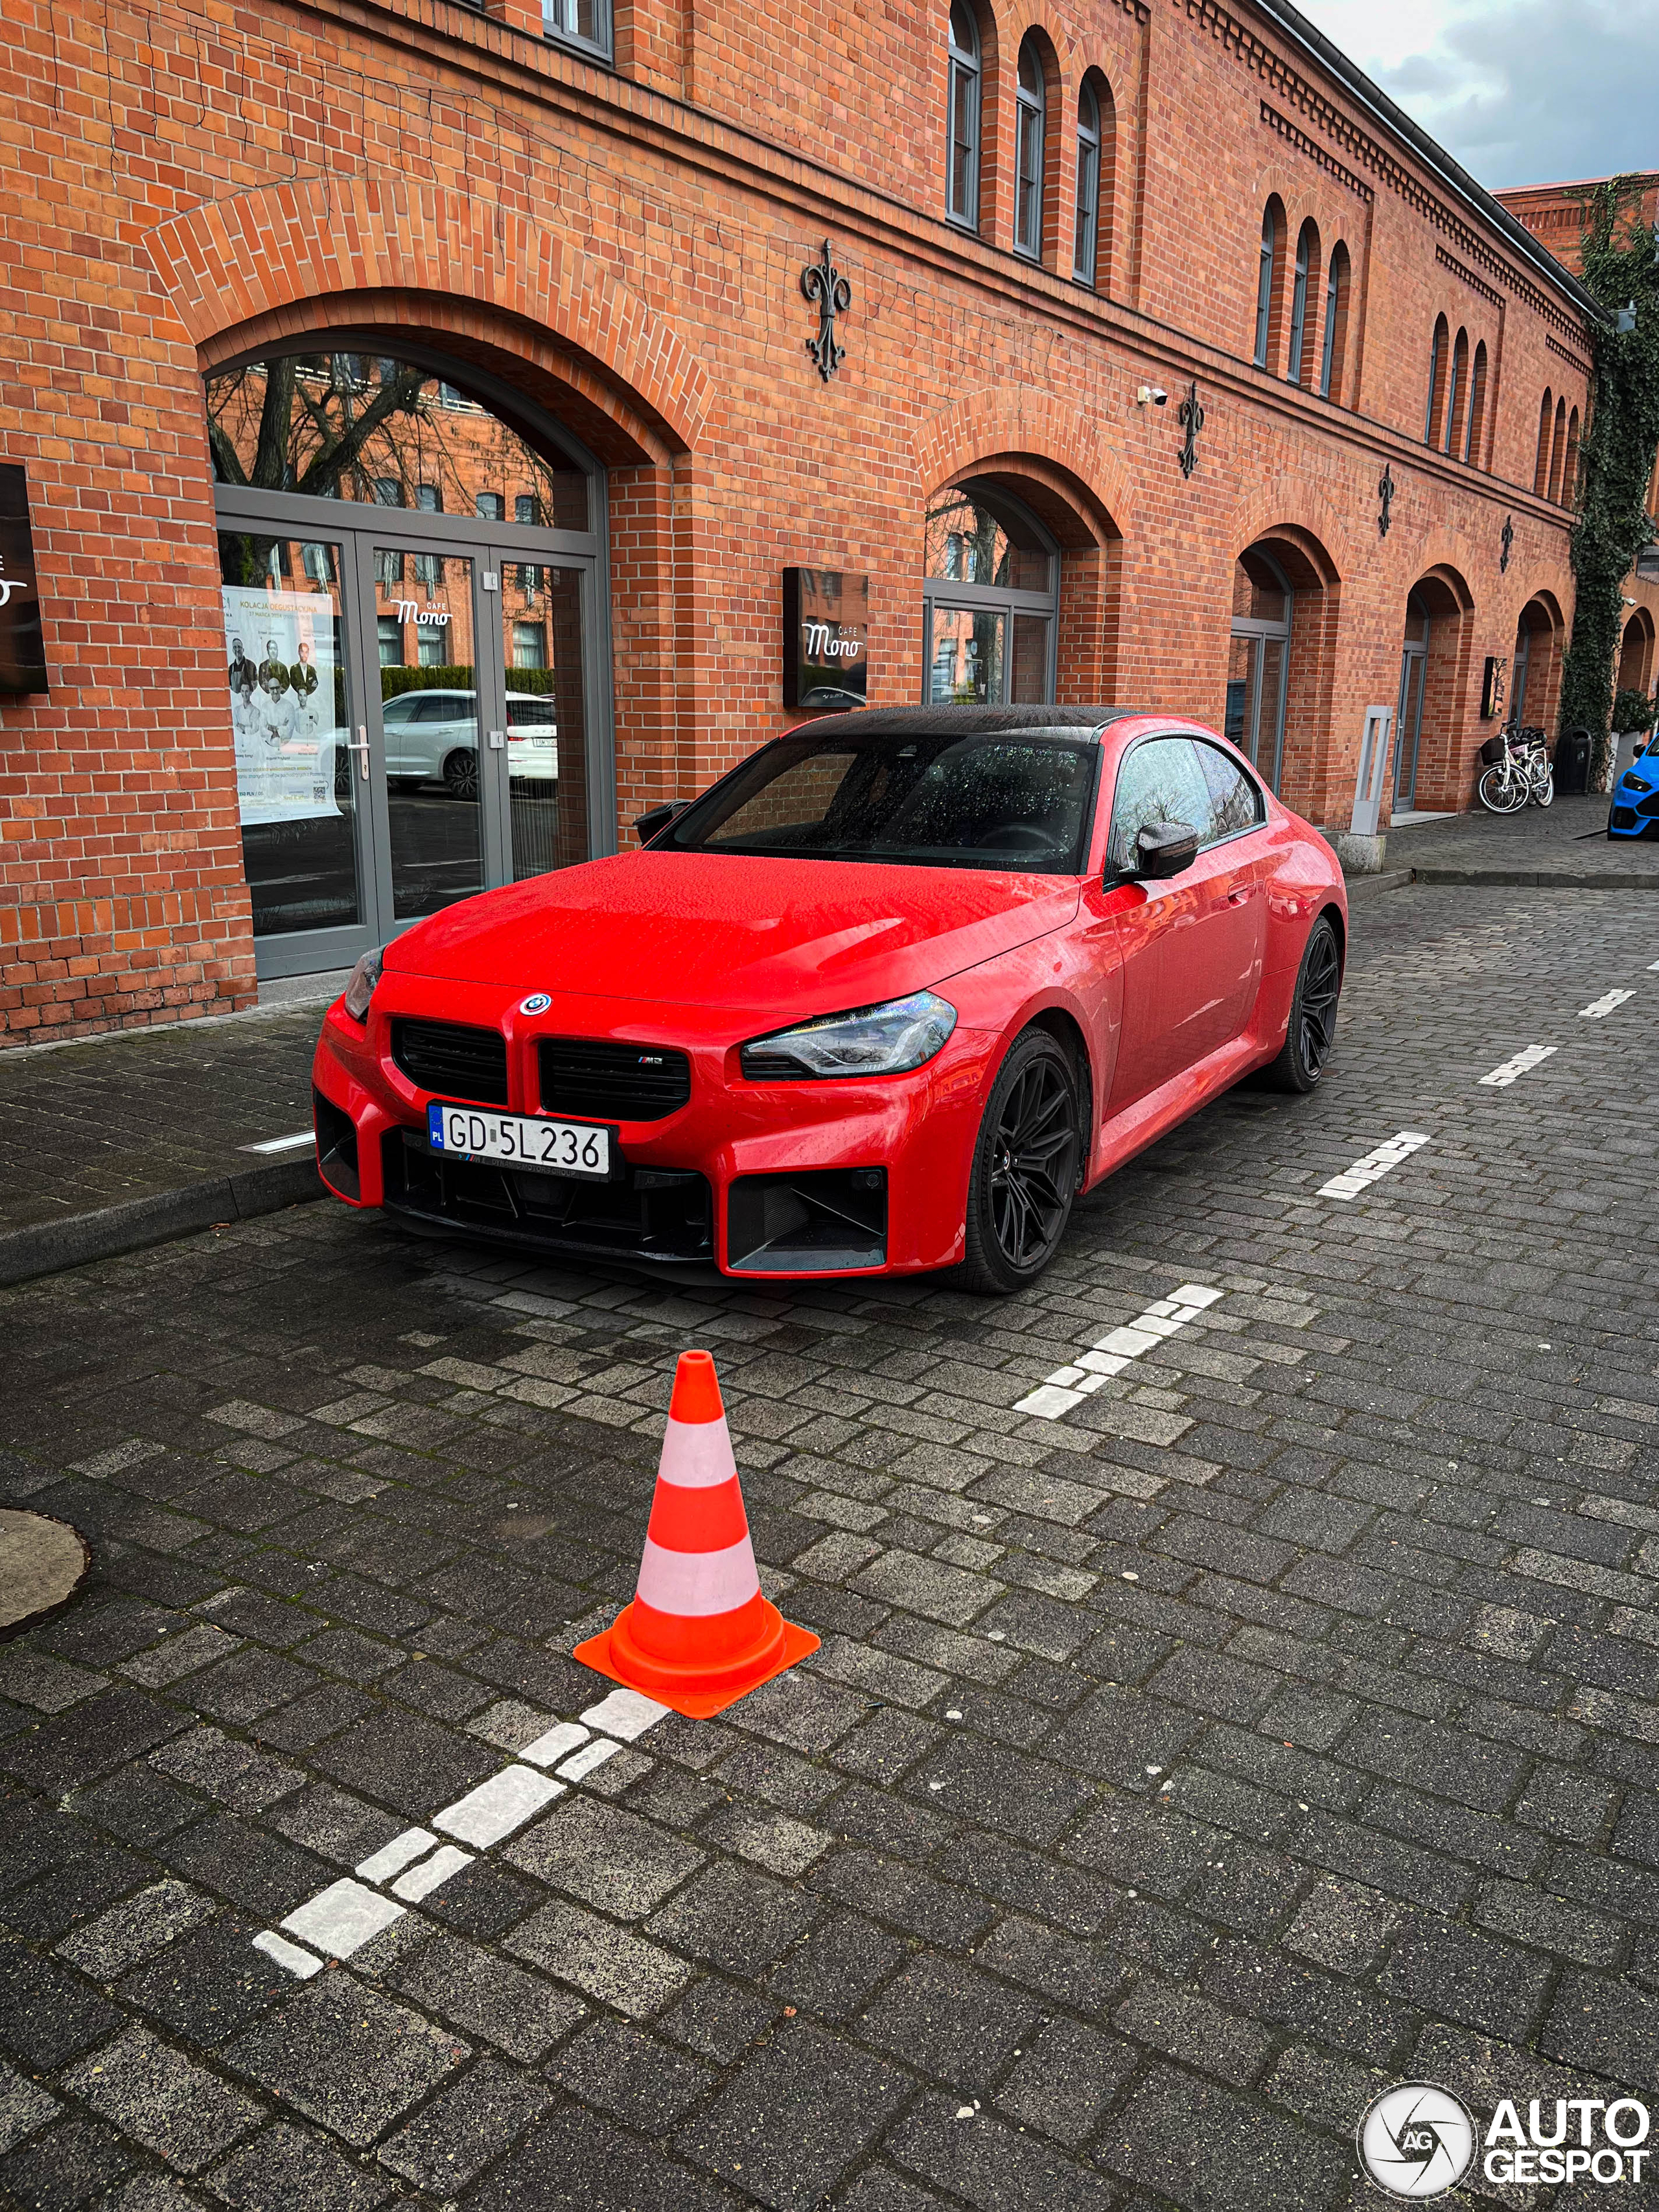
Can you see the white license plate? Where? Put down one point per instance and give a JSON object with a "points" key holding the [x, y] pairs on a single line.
{"points": [[569, 1148]]}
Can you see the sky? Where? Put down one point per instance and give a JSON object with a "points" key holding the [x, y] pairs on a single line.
{"points": [[1521, 91]]}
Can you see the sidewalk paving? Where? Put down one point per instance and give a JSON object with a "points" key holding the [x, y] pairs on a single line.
{"points": [[125, 1140], [1564, 846]]}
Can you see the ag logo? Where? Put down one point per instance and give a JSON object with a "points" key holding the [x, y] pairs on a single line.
{"points": [[1415, 2140], [537, 1003]]}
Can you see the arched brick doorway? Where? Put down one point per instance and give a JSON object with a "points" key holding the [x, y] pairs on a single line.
{"points": [[413, 575], [1278, 698], [1636, 654], [1536, 663], [1428, 770]]}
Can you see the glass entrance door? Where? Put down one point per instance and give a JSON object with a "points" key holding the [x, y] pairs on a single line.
{"points": [[303, 789], [546, 719], [427, 737], [1408, 720]]}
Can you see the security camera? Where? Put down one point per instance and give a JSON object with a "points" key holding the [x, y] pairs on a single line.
{"points": [[1151, 395]]}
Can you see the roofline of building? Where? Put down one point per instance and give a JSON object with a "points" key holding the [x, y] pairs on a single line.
{"points": [[1579, 184], [1457, 180]]}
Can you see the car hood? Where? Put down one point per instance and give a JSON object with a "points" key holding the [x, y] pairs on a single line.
{"points": [[715, 930]]}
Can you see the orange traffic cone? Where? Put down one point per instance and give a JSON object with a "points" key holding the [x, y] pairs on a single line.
{"points": [[699, 1635]]}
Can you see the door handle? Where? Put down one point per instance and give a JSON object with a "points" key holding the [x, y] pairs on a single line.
{"points": [[361, 751], [1241, 898]]}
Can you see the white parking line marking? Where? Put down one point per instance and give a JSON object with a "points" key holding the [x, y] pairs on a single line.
{"points": [[1374, 1166], [341, 1918], [496, 1808], [298, 1962], [547, 1750], [282, 1144], [589, 1756], [1501, 1077], [625, 1713], [1599, 1009], [420, 1881], [1110, 1354], [1653, 968], [391, 1858]]}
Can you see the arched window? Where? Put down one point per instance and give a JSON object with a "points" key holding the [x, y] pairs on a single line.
{"points": [[1438, 365], [1558, 448], [1474, 433], [1085, 236], [1570, 467], [961, 182], [1273, 239], [1457, 394], [1541, 474], [990, 600], [1032, 124], [1336, 325], [1307, 272]]}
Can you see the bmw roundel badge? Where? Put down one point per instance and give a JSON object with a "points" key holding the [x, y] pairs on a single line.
{"points": [[537, 1003]]}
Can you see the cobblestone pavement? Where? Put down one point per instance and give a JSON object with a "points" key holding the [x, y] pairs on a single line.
{"points": [[120, 1117], [1277, 1722]]}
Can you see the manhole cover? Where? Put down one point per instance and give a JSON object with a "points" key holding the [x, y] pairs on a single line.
{"points": [[41, 1561]]}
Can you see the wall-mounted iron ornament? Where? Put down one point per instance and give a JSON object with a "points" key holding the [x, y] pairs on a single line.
{"points": [[1506, 539], [823, 282], [1190, 415], [1386, 489]]}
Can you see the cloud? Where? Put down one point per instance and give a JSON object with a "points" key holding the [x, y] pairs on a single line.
{"points": [[1519, 91]]}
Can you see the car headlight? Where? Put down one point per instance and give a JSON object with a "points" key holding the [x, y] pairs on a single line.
{"points": [[885, 1040], [360, 988]]}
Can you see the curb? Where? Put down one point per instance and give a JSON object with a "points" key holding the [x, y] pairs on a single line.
{"points": [[1555, 879], [48, 1247], [1388, 879]]}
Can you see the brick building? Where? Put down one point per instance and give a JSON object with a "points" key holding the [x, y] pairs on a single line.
{"points": [[1557, 214], [421, 406]]}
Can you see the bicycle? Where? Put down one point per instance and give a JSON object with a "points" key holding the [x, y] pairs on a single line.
{"points": [[1518, 772]]}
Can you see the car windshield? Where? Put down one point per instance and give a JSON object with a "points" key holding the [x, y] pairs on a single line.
{"points": [[1012, 800]]}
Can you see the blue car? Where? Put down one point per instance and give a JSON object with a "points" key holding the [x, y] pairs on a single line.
{"points": [[1635, 811]]}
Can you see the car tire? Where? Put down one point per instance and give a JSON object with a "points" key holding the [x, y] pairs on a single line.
{"points": [[1312, 1028], [1028, 1160], [461, 775]]}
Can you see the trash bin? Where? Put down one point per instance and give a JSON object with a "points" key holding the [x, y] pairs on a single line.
{"points": [[1572, 760]]}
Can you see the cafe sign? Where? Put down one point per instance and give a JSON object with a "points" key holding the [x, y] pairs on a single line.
{"points": [[22, 646], [826, 640]]}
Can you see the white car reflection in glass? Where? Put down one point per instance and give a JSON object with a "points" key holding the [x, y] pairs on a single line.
{"points": [[434, 736]]}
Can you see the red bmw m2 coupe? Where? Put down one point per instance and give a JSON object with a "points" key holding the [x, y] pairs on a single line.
{"points": [[884, 999]]}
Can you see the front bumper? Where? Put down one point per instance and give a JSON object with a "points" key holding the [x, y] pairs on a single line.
{"points": [[769, 1180]]}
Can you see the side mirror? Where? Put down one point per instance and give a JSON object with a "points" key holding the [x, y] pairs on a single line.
{"points": [[1165, 848], [658, 818]]}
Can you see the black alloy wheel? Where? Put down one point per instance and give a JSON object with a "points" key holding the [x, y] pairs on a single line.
{"points": [[1026, 1167], [1312, 1030], [461, 775]]}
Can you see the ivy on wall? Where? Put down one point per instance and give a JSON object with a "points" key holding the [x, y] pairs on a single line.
{"points": [[1621, 266]]}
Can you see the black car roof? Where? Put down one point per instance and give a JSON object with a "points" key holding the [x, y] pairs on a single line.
{"points": [[971, 721]]}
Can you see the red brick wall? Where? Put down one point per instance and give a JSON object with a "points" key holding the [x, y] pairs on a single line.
{"points": [[186, 185]]}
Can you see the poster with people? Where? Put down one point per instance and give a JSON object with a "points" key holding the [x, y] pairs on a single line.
{"points": [[282, 653]]}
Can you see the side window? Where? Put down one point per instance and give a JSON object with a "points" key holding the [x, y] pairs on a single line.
{"points": [[1160, 781], [1234, 802]]}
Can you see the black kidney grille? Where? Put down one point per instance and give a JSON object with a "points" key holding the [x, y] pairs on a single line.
{"points": [[607, 1082], [451, 1061]]}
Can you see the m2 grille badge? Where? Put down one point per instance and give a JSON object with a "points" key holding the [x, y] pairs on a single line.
{"points": [[537, 1003]]}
